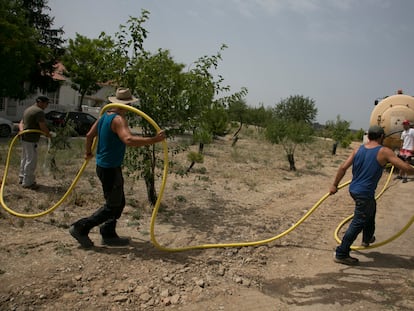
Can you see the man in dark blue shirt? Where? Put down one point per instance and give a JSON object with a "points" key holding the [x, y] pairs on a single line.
{"points": [[367, 163]]}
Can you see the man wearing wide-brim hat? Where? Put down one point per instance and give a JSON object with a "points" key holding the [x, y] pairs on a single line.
{"points": [[113, 135]]}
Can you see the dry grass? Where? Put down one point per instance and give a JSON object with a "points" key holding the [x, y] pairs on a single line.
{"points": [[238, 194]]}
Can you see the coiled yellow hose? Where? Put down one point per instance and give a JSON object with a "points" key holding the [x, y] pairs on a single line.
{"points": [[161, 191], [78, 175], [378, 244], [22, 215]]}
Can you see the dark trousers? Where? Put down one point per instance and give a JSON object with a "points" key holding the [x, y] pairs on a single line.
{"points": [[364, 220], [113, 189]]}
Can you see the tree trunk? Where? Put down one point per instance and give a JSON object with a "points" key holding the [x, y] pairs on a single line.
{"points": [[291, 160], [334, 146], [80, 102], [235, 139], [151, 192], [190, 167], [200, 151], [149, 177], [236, 135]]}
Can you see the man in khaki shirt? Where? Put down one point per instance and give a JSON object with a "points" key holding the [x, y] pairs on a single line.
{"points": [[33, 119]]}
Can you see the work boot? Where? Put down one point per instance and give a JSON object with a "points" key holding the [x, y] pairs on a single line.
{"points": [[109, 235], [82, 238]]}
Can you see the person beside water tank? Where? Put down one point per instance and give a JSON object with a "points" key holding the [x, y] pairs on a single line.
{"points": [[407, 148]]}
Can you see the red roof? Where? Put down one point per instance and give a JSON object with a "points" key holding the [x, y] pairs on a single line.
{"points": [[58, 73]]}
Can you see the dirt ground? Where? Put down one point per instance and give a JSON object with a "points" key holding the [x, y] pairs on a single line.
{"points": [[239, 194]]}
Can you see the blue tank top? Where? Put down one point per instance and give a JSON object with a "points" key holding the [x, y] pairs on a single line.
{"points": [[111, 150], [366, 172]]}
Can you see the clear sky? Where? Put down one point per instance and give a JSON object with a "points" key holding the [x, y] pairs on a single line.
{"points": [[343, 54]]}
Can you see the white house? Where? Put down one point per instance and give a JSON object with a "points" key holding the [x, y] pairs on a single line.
{"points": [[65, 99]]}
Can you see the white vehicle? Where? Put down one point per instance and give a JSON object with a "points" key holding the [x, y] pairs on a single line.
{"points": [[6, 127]]}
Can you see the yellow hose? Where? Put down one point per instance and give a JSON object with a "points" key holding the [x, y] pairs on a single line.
{"points": [[253, 243], [78, 175], [162, 188], [378, 244], [22, 215]]}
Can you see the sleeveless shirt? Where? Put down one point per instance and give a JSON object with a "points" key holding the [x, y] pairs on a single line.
{"points": [[111, 150], [366, 172]]}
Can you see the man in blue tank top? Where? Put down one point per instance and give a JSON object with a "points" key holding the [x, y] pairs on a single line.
{"points": [[113, 135], [367, 163]]}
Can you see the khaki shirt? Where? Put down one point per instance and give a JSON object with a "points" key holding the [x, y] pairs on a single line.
{"points": [[31, 118]]}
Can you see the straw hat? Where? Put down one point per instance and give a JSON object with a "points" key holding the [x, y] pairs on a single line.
{"points": [[123, 96]]}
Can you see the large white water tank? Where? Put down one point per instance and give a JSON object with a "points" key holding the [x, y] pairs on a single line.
{"points": [[389, 113]]}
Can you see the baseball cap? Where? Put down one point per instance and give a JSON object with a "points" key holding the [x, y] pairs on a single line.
{"points": [[406, 122], [43, 99]]}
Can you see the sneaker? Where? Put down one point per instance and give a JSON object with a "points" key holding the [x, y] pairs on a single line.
{"points": [[366, 244], [83, 239], [350, 261], [116, 241], [398, 177], [404, 180]]}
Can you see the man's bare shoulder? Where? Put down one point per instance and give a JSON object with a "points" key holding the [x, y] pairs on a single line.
{"points": [[387, 152]]}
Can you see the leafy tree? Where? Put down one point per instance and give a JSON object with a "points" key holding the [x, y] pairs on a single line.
{"points": [[89, 62], [205, 93], [259, 117], [178, 100], [156, 79], [215, 120], [61, 141], [359, 135], [291, 124], [49, 45], [238, 111], [29, 48], [211, 119], [339, 131], [129, 48], [289, 134], [297, 108], [158, 86], [16, 49]]}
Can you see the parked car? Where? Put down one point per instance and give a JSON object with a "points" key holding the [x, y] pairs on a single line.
{"points": [[6, 127], [81, 121]]}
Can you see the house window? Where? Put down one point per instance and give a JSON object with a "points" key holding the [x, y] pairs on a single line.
{"points": [[54, 97]]}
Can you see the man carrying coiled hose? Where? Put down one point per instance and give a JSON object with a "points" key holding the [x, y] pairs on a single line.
{"points": [[368, 163], [113, 135]]}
